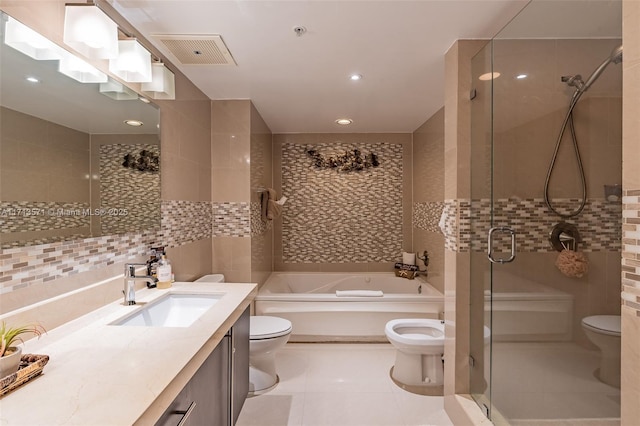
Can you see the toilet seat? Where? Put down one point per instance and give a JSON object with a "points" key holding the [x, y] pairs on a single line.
{"points": [[605, 324], [427, 332], [265, 327]]}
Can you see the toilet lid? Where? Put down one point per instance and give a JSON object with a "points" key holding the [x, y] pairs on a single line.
{"points": [[607, 323], [266, 327]]}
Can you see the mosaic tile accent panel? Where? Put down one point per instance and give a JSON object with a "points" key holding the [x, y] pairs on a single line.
{"points": [[341, 217], [185, 222], [130, 198], [426, 215], [231, 219], [599, 224], [20, 267], [631, 250]]}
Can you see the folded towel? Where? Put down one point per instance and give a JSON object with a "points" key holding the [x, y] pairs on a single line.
{"points": [[359, 293]]}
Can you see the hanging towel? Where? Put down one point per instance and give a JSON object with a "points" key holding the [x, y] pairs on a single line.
{"points": [[273, 208], [359, 293]]}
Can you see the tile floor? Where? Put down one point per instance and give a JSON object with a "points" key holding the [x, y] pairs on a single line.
{"points": [[551, 381], [339, 384]]}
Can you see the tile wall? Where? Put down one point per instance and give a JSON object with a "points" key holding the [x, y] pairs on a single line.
{"points": [[630, 386], [342, 221], [428, 195]]}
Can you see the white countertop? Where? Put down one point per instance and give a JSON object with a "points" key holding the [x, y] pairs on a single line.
{"points": [[100, 374]]}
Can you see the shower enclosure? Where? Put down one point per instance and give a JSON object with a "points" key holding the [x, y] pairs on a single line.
{"points": [[554, 67]]}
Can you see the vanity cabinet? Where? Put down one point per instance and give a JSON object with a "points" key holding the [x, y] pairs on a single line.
{"points": [[210, 397]]}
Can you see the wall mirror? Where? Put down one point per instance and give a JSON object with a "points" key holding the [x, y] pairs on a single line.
{"points": [[70, 167]]}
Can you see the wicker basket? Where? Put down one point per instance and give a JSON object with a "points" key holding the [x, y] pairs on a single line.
{"points": [[30, 366]]}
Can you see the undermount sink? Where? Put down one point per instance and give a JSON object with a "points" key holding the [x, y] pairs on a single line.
{"points": [[172, 310]]}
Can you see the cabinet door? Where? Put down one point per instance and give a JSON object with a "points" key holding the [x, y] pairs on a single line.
{"points": [[209, 388], [207, 393], [240, 364]]}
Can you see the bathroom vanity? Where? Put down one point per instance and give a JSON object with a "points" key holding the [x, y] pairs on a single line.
{"points": [[210, 397], [103, 373]]}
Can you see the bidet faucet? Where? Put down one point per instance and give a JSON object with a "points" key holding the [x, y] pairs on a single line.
{"points": [[130, 279]]}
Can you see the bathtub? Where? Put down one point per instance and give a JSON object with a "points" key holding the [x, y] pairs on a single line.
{"points": [[527, 311], [310, 301]]}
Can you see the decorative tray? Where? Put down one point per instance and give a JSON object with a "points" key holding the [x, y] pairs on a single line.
{"points": [[30, 366]]}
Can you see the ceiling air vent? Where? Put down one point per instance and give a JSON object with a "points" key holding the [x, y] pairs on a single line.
{"points": [[197, 49]]}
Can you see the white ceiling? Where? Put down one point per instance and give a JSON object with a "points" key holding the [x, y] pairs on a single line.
{"points": [[300, 84]]}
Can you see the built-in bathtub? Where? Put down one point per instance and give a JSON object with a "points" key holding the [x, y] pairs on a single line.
{"points": [[523, 310], [527, 311], [311, 303]]}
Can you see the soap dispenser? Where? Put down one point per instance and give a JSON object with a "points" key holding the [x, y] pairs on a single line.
{"points": [[164, 273]]}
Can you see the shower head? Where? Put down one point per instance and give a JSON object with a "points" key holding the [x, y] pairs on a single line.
{"points": [[615, 57]]}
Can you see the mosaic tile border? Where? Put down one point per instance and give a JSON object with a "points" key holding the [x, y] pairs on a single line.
{"points": [[20, 267], [184, 222], [231, 219], [258, 226], [599, 224], [631, 249]]}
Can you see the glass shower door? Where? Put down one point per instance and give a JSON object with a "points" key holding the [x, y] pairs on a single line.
{"points": [[539, 365]]}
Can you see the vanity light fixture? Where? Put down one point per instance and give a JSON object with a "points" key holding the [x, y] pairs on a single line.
{"points": [[90, 31], [118, 91], [134, 123], [344, 121], [74, 67], [162, 85], [133, 63], [29, 42], [489, 76]]}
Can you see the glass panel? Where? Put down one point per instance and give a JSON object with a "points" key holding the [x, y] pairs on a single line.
{"points": [[481, 171], [543, 364]]}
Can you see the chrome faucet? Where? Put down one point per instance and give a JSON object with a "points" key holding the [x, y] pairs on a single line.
{"points": [[130, 279]]}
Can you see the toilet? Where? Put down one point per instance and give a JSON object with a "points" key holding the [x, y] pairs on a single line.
{"points": [[419, 347], [604, 332], [267, 335]]}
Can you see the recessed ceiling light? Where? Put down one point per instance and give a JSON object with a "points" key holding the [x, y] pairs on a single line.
{"points": [[355, 77], [134, 123], [344, 121], [32, 79], [489, 76], [521, 76]]}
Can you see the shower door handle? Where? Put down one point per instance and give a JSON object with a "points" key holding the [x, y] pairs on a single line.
{"points": [[506, 230]]}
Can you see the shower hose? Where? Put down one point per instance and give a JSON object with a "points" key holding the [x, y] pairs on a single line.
{"points": [[567, 120]]}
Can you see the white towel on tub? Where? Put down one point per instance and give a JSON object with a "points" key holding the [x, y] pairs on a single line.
{"points": [[359, 293]]}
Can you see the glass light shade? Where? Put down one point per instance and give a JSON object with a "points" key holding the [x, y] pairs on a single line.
{"points": [[118, 91], [163, 85], [133, 63], [89, 31], [29, 42], [80, 70]]}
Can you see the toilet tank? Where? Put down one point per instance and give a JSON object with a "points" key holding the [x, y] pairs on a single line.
{"points": [[212, 278]]}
